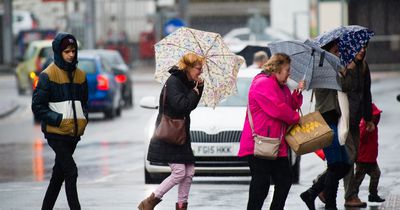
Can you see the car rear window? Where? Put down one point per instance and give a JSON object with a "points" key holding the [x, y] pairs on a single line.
{"points": [[88, 66]]}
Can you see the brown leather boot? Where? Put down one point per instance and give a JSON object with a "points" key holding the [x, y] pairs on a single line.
{"points": [[149, 203], [183, 207]]}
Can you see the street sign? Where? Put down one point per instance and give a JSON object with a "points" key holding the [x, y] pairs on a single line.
{"points": [[171, 25]]}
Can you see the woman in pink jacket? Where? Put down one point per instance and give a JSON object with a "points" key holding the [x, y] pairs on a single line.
{"points": [[273, 109]]}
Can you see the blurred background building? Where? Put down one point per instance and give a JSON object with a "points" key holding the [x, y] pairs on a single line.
{"points": [[133, 26]]}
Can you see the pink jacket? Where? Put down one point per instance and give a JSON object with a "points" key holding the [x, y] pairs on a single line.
{"points": [[273, 108]]}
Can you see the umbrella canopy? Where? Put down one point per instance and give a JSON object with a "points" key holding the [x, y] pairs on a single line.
{"points": [[249, 50], [220, 67], [316, 66], [351, 39]]}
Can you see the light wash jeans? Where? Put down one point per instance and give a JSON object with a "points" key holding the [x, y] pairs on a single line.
{"points": [[181, 175]]}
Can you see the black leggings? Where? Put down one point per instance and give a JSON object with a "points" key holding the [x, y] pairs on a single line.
{"points": [[64, 169], [262, 170]]}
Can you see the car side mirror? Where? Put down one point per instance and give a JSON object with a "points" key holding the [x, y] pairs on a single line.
{"points": [[398, 98], [148, 102]]}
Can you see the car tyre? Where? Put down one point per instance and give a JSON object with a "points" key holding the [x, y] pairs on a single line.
{"points": [[110, 114], [20, 90], [150, 178], [118, 111], [129, 102], [296, 171]]}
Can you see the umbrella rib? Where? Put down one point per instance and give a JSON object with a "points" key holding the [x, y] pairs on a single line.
{"points": [[197, 41], [215, 39]]}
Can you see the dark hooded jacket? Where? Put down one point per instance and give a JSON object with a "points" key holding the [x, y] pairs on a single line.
{"points": [[60, 98], [358, 89], [181, 99]]}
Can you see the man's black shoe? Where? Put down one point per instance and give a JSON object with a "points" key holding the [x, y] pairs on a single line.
{"points": [[375, 198]]}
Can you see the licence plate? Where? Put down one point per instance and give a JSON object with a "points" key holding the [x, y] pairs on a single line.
{"points": [[216, 149]]}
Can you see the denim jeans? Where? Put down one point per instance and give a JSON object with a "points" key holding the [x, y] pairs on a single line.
{"points": [[64, 170]]}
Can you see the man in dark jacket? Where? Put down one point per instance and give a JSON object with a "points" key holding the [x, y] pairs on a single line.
{"points": [[59, 102], [359, 95]]}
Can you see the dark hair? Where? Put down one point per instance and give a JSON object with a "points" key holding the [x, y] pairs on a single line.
{"points": [[329, 45]]}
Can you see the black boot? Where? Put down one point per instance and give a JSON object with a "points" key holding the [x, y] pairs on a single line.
{"points": [[308, 199], [375, 198]]}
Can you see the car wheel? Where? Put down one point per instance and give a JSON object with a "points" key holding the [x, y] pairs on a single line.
{"points": [[118, 111], [296, 171], [129, 101], [150, 178], [110, 114], [20, 90]]}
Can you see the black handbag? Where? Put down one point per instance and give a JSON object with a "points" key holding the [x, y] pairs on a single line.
{"points": [[170, 130]]}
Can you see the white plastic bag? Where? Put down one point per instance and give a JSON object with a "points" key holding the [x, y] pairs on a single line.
{"points": [[343, 125]]}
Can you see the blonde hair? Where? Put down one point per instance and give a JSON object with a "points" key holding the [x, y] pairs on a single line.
{"points": [[275, 63], [190, 60]]}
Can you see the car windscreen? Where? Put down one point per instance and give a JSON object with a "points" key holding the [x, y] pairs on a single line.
{"points": [[88, 66], [240, 98]]}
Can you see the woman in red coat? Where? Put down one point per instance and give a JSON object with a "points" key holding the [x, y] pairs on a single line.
{"points": [[367, 155]]}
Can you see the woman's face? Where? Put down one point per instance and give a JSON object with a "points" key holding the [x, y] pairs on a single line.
{"points": [[283, 75], [335, 50], [193, 73], [69, 54], [360, 55]]}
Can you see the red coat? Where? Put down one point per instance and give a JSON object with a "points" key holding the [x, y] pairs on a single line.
{"points": [[368, 148]]}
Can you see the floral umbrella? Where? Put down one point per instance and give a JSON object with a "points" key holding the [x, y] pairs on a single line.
{"points": [[220, 67]]}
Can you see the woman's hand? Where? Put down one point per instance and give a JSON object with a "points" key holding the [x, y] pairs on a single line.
{"points": [[199, 82], [301, 85], [351, 65]]}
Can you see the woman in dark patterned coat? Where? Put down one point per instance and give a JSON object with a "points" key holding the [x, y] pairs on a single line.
{"points": [[183, 92]]}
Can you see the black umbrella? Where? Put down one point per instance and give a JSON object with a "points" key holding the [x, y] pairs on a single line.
{"points": [[249, 50]]}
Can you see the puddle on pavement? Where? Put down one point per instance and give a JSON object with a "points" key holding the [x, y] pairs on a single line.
{"points": [[34, 161]]}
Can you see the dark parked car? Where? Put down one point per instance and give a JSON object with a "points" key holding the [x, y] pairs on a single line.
{"points": [[104, 90], [121, 72]]}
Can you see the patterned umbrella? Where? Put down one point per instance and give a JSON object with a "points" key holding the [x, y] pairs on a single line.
{"points": [[316, 66], [351, 39], [220, 68]]}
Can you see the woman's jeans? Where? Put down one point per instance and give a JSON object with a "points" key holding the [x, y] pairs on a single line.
{"points": [[181, 175], [64, 170], [262, 170]]}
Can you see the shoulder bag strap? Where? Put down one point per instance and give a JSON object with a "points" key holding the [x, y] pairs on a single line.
{"points": [[251, 122]]}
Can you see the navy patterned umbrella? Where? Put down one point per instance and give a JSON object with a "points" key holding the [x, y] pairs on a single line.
{"points": [[350, 38]]}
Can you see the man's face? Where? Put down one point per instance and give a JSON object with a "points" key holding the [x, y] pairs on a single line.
{"points": [[69, 54]]}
